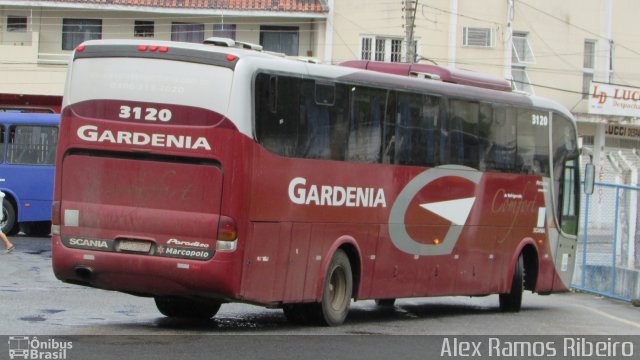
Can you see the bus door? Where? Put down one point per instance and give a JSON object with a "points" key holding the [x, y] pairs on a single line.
{"points": [[566, 193]]}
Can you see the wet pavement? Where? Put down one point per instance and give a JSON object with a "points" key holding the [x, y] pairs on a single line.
{"points": [[34, 302]]}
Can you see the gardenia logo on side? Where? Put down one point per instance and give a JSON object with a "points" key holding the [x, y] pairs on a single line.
{"points": [[327, 195], [93, 134]]}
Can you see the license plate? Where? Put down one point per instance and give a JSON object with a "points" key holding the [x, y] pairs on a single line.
{"points": [[135, 246]]}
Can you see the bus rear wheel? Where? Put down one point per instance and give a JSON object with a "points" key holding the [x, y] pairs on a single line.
{"points": [[186, 308], [337, 290], [512, 301], [9, 221]]}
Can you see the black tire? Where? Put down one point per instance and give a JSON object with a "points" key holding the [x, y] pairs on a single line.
{"points": [[337, 290], [9, 221], [36, 228], [512, 301], [186, 308], [387, 303]]}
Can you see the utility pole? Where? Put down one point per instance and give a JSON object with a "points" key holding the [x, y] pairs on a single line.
{"points": [[508, 41], [410, 18]]}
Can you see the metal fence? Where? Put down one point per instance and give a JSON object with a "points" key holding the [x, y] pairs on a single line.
{"points": [[608, 254]]}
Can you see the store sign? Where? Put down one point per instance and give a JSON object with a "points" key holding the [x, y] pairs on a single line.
{"points": [[618, 100], [622, 132]]}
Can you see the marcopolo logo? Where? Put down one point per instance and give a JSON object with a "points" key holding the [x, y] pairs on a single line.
{"points": [[32, 348]]}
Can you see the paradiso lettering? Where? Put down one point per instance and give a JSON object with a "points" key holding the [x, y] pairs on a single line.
{"points": [[327, 195], [93, 134]]}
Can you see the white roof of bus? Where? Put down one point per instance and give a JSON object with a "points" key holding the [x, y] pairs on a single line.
{"points": [[263, 60]]}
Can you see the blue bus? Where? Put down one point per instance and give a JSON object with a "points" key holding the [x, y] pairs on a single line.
{"points": [[27, 157]]}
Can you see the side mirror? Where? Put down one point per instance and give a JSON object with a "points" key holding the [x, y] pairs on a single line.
{"points": [[589, 178]]}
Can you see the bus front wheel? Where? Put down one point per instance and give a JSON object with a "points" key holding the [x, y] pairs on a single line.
{"points": [[337, 290], [9, 220], [512, 301], [186, 308]]}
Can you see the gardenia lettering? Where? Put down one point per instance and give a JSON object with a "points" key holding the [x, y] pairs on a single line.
{"points": [[93, 134], [326, 195]]}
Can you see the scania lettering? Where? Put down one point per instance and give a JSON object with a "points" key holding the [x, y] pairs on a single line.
{"points": [[222, 174], [88, 243]]}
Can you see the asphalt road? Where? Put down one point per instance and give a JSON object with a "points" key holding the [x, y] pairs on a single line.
{"points": [[34, 303]]}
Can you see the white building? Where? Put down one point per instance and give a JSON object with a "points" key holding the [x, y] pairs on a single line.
{"points": [[548, 48]]}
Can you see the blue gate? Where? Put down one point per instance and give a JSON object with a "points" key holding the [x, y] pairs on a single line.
{"points": [[608, 261]]}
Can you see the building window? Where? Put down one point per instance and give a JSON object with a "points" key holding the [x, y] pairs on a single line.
{"points": [[16, 23], [187, 32], [76, 31], [143, 28], [386, 48], [225, 31], [396, 50], [365, 52], [380, 45], [479, 37], [521, 80], [521, 55], [588, 66], [281, 39], [522, 52]]}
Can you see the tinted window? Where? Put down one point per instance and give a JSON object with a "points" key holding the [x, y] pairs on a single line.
{"points": [[291, 122], [419, 135], [500, 149], [533, 142], [32, 145], [565, 173], [463, 133], [187, 32], [75, 31], [365, 124], [1, 143]]}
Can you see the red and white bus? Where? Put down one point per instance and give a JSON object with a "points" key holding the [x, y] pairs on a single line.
{"points": [[202, 174]]}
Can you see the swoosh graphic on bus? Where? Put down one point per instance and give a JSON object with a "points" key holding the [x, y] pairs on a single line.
{"points": [[397, 229], [456, 211]]}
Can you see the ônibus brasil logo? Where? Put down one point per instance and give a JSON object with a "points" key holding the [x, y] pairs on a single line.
{"points": [[455, 211], [32, 348]]}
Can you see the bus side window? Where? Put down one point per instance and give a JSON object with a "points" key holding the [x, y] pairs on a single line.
{"points": [[50, 142], [485, 121], [315, 121], [276, 117], [500, 153], [533, 142], [427, 143], [463, 133], [2, 132], [323, 120], [389, 130], [365, 130]]}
